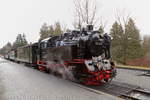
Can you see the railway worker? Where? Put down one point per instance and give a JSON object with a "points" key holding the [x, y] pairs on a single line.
{"points": [[107, 43]]}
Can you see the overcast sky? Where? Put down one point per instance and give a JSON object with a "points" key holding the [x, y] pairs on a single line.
{"points": [[27, 16]]}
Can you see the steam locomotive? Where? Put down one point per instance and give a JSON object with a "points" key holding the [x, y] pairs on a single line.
{"points": [[81, 56]]}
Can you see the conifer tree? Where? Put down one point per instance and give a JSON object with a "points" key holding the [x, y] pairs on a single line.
{"points": [[44, 32], [20, 41], [126, 44]]}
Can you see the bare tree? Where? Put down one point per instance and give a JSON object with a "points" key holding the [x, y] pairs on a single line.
{"points": [[85, 12], [122, 17]]}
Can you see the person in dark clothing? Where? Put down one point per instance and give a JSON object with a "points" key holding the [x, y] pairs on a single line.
{"points": [[107, 43]]}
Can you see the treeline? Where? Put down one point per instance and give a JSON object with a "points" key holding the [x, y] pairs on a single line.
{"points": [[52, 30], [127, 43], [20, 41]]}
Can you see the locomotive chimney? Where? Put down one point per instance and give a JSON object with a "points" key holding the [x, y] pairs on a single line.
{"points": [[89, 27]]}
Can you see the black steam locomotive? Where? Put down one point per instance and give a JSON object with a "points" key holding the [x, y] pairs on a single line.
{"points": [[82, 56]]}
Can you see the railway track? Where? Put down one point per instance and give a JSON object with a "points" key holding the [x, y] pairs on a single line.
{"points": [[137, 94], [121, 90], [3, 62], [146, 74]]}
